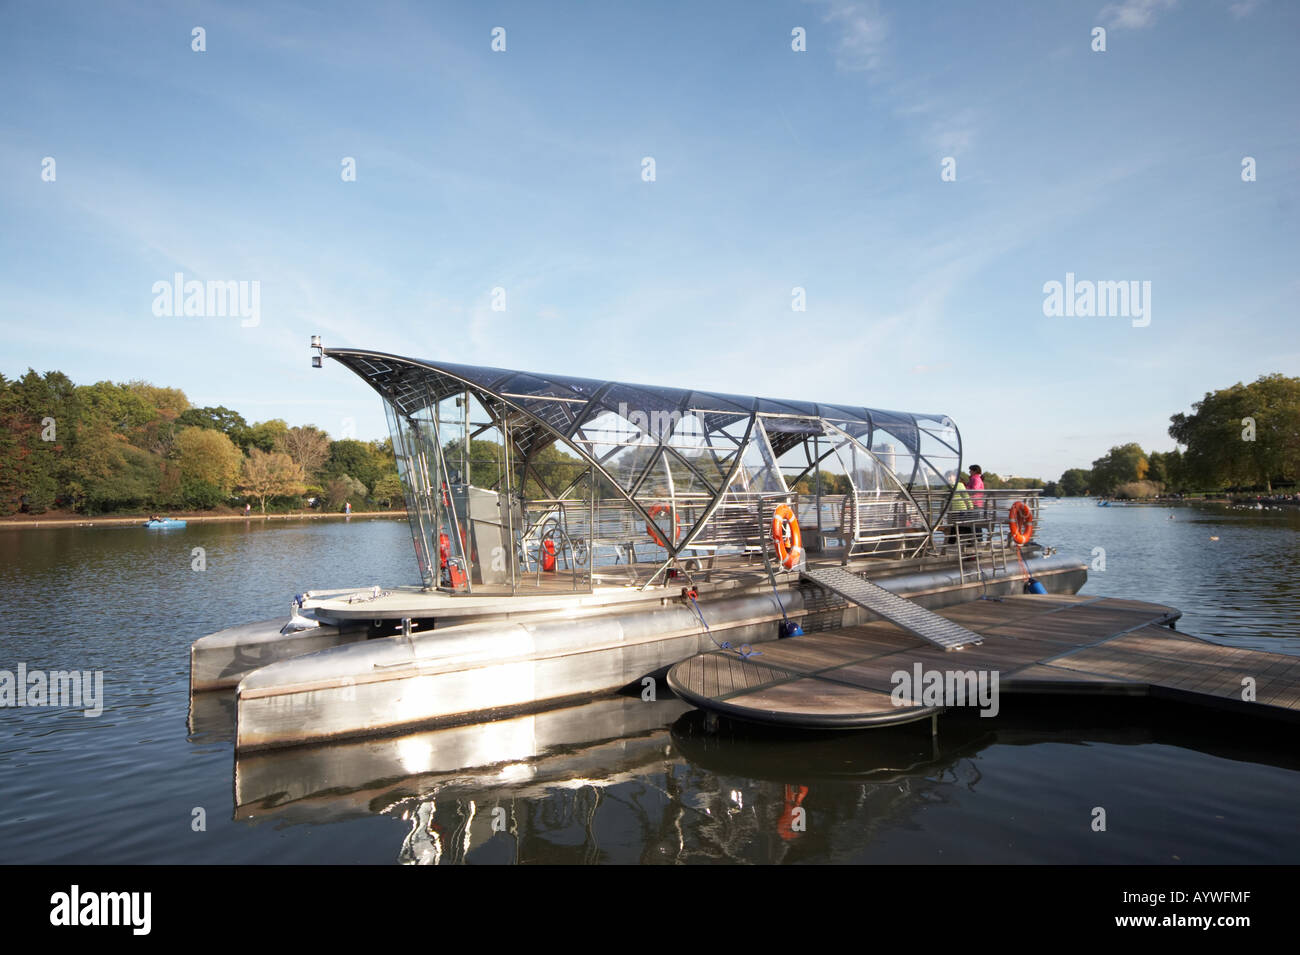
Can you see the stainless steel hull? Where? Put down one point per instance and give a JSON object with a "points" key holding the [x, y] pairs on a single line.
{"points": [[476, 671], [220, 660]]}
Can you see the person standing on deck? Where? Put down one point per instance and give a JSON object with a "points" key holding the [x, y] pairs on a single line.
{"points": [[976, 485], [961, 508]]}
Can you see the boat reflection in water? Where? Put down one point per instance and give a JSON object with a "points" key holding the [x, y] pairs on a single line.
{"points": [[623, 780], [463, 787], [617, 779], [620, 780]]}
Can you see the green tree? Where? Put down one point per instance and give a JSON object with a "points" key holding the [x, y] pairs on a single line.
{"points": [[484, 461], [13, 449], [1242, 435], [1175, 470], [122, 409], [230, 423], [1075, 482], [357, 459], [108, 472], [1157, 470], [833, 483], [266, 434], [169, 401], [38, 415], [388, 489], [1120, 465], [201, 495], [28, 464], [207, 457], [550, 471]]}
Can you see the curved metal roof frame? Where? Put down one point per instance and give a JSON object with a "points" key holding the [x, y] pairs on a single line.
{"points": [[392, 376], [363, 363]]}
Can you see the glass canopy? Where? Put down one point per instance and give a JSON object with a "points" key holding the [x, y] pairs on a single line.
{"points": [[518, 481]]}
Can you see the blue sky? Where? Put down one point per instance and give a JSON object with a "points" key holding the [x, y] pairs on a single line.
{"points": [[774, 169]]}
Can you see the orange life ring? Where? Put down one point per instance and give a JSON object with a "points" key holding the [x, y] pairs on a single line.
{"points": [[1021, 522], [786, 537], [650, 525]]}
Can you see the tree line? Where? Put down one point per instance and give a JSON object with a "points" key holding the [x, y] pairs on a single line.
{"points": [[1246, 437], [126, 447], [114, 447]]}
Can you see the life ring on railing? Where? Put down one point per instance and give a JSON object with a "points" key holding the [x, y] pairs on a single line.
{"points": [[548, 555], [786, 537], [651, 527], [1021, 523]]}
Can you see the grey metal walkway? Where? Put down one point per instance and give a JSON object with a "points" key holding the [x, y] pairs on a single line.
{"points": [[899, 611]]}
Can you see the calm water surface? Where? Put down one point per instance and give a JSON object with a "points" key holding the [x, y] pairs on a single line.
{"points": [[620, 780]]}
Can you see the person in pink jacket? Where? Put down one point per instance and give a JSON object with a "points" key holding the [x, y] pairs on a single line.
{"points": [[976, 485]]}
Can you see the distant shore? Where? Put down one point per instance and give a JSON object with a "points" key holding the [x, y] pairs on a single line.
{"points": [[57, 519], [1242, 500]]}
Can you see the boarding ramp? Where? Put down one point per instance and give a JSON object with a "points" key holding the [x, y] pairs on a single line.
{"points": [[899, 611]]}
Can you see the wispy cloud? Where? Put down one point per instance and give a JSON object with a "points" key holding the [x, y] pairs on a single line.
{"points": [[860, 44], [1135, 14], [954, 133], [863, 30], [1243, 8]]}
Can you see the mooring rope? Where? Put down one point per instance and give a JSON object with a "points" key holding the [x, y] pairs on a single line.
{"points": [[788, 629], [744, 651]]}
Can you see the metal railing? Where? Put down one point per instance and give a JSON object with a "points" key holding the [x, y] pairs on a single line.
{"points": [[611, 540], [976, 528]]}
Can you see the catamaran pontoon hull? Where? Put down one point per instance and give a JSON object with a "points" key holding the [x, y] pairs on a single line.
{"points": [[477, 671]]}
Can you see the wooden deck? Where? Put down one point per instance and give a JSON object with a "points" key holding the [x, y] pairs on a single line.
{"points": [[1038, 644]]}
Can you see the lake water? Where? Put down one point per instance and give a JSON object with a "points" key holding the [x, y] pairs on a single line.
{"points": [[621, 780]]}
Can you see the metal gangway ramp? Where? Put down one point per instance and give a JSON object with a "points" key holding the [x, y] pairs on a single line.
{"points": [[899, 611]]}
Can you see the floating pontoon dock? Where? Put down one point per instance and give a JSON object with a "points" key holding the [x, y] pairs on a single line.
{"points": [[1037, 644], [575, 536]]}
